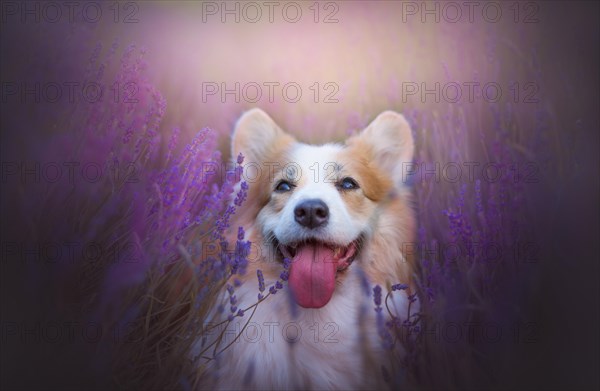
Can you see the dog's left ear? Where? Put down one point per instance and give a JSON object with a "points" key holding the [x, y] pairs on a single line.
{"points": [[257, 137], [390, 142]]}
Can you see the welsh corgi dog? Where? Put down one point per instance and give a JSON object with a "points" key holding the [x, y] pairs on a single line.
{"points": [[327, 223]]}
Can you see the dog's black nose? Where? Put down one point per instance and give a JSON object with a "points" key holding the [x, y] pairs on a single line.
{"points": [[311, 213]]}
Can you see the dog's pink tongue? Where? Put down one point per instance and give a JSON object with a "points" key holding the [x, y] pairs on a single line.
{"points": [[312, 275]]}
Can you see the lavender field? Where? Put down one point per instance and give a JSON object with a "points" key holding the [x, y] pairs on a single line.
{"points": [[117, 181]]}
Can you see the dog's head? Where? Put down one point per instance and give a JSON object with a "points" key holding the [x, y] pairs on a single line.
{"points": [[319, 205]]}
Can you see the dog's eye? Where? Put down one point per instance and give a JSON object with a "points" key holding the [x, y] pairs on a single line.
{"points": [[283, 186], [348, 184]]}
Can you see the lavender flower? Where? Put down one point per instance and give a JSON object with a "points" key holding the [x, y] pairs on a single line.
{"points": [[287, 263], [478, 199], [364, 281], [261, 280], [377, 296], [242, 194]]}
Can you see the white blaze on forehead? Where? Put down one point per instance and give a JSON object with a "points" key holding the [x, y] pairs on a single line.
{"points": [[316, 179], [316, 162]]}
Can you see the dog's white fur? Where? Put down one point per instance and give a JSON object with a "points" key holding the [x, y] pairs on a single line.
{"points": [[335, 346]]}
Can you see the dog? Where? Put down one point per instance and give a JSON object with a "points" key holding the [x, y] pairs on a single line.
{"points": [[334, 219]]}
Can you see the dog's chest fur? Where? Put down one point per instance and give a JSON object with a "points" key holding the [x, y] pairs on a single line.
{"points": [[329, 348]]}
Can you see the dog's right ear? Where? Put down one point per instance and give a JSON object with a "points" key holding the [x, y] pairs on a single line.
{"points": [[390, 143], [257, 137]]}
